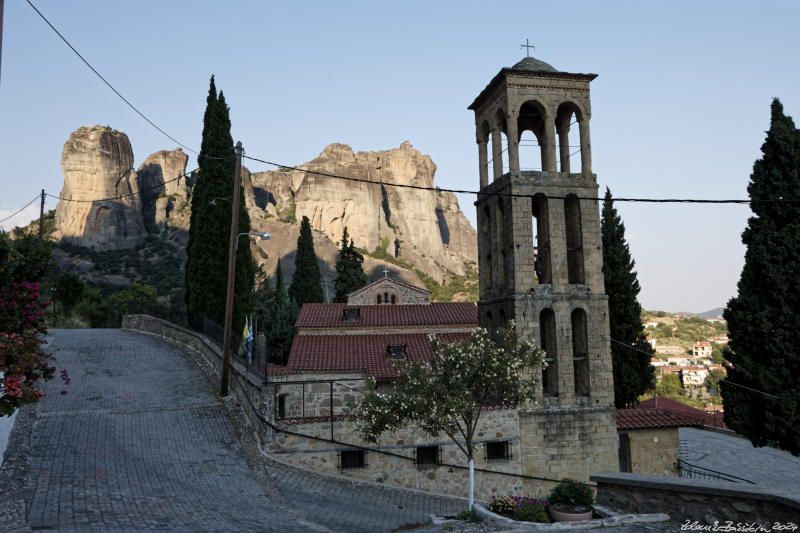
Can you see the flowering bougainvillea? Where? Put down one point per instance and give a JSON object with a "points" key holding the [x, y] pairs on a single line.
{"points": [[448, 393], [21, 358]]}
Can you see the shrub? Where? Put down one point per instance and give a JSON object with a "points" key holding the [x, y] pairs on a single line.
{"points": [[573, 492], [504, 505], [532, 511]]}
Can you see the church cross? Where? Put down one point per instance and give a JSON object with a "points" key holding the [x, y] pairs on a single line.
{"points": [[385, 272], [528, 47]]}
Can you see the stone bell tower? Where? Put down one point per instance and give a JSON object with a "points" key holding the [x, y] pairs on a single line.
{"points": [[540, 261]]}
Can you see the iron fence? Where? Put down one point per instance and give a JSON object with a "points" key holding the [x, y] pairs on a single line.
{"points": [[689, 470], [253, 355]]}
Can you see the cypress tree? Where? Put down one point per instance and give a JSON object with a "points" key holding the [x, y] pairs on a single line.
{"points": [[209, 229], [349, 272], [306, 283], [630, 351], [763, 317]]}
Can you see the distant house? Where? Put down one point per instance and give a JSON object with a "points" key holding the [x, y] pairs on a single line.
{"points": [[657, 362], [719, 339], [648, 439], [693, 375], [680, 360], [701, 349], [651, 324], [716, 320]]}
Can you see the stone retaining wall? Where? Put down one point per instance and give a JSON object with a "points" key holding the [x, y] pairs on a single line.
{"points": [[323, 456], [700, 500]]}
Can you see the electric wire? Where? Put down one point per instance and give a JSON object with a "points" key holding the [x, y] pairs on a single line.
{"points": [[140, 191], [726, 380], [484, 194], [20, 210]]}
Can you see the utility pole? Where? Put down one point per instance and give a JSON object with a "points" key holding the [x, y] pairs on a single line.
{"points": [[226, 345], [41, 213]]}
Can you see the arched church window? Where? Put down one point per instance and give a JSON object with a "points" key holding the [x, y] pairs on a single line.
{"points": [[580, 352], [547, 340]]}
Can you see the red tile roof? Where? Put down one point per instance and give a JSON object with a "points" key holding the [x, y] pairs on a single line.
{"points": [[670, 405], [318, 315], [359, 353], [654, 418]]}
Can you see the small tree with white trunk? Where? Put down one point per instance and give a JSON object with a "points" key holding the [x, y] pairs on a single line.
{"points": [[448, 393]]}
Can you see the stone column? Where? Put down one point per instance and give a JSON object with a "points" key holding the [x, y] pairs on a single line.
{"points": [[586, 147], [513, 142], [563, 144], [483, 167], [549, 144], [497, 153]]}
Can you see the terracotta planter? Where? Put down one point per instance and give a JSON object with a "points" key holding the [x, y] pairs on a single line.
{"points": [[564, 516]]}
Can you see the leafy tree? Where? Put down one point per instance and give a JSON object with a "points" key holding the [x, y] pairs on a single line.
{"points": [[449, 393], [350, 274], [669, 385], [69, 289], [209, 231], [306, 283], [763, 317], [717, 354], [630, 351], [713, 379], [24, 259], [277, 313]]}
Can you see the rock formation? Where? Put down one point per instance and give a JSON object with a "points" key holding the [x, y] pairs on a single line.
{"points": [[424, 228], [97, 162], [163, 184]]}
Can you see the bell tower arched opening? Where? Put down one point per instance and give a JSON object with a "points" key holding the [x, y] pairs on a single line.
{"points": [[501, 244], [574, 234], [547, 341], [531, 125], [580, 352], [541, 239]]}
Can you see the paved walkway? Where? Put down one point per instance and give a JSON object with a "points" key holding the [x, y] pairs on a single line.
{"points": [[139, 442], [767, 467]]}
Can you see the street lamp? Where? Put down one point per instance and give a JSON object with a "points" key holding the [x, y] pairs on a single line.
{"points": [[265, 236]]}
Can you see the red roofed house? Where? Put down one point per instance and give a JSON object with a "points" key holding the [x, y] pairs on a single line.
{"points": [[648, 438], [336, 348]]}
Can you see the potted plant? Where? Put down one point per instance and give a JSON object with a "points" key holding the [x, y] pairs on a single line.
{"points": [[570, 501]]}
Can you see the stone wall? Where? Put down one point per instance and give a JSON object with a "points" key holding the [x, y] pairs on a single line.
{"points": [[654, 451], [307, 441], [402, 293], [550, 440], [323, 456], [704, 501]]}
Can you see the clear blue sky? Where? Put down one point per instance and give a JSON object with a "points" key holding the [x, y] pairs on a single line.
{"points": [[679, 108]]}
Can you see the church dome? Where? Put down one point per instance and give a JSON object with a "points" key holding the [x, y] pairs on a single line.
{"points": [[534, 65]]}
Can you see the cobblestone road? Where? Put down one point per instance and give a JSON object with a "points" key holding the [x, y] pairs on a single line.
{"points": [[139, 443]]}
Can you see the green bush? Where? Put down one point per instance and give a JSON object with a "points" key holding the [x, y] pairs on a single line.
{"points": [[504, 505], [532, 512], [573, 492]]}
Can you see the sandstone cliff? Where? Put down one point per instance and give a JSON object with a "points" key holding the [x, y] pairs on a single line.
{"points": [[421, 228], [424, 228], [97, 162]]}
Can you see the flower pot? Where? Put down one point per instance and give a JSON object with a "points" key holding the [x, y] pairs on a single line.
{"points": [[569, 513]]}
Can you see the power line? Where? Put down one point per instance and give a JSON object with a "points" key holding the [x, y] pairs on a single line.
{"points": [[726, 379], [173, 139], [517, 195], [140, 191], [21, 209]]}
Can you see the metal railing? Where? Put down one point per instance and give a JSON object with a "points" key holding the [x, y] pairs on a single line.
{"points": [[689, 470], [253, 356]]}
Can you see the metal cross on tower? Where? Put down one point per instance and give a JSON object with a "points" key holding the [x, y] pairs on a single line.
{"points": [[527, 47], [385, 272]]}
